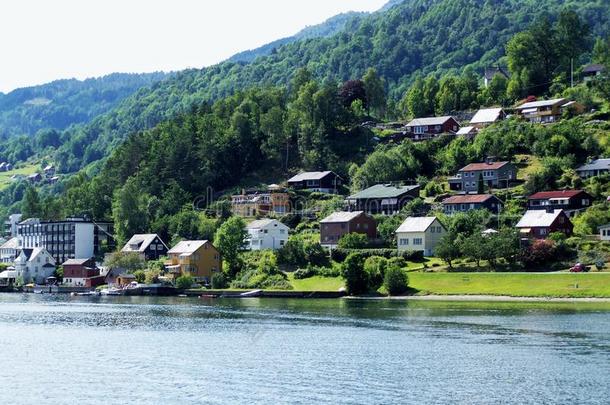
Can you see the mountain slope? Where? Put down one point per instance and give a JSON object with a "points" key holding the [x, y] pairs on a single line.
{"points": [[416, 36], [62, 103], [325, 29]]}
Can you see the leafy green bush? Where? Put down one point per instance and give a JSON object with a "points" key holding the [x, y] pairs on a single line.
{"points": [[395, 280], [184, 282], [356, 279], [353, 241], [219, 281], [140, 276]]}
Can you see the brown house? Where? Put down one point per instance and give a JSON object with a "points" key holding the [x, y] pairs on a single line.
{"points": [[260, 203], [337, 224], [197, 258], [431, 127], [571, 201], [547, 111], [539, 224]]}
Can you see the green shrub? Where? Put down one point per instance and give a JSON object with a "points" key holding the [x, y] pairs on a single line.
{"points": [[375, 267], [184, 282], [395, 280], [353, 241], [140, 276], [356, 279], [219, 281]]}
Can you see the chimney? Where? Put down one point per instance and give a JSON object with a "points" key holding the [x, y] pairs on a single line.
{"points": [[490, 159], [550, 210]]}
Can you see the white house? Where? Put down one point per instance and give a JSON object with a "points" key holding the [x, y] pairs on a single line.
{"points": [[420, 233], [8, 251], [34, 265], [266, 234], [604, 232]]}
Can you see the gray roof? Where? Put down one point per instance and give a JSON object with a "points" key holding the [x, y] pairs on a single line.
{"points": [[342, 216], [542, 103], [140, 242], [598, 164], [465, 130], [75, 262], [382, 191], [416, 224], [429, 121], [593, 68], [187, 246], [309, 176], [538, 218], [261, 223], [486, 115], [12, 243]]}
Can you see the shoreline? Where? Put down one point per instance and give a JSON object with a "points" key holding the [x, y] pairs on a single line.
{"points": [[483, 298]]}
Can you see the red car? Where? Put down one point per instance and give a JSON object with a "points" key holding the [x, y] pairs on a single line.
{"points": [[579, 268]]}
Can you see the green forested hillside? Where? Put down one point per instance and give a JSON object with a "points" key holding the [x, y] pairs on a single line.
{"points": [[62, 103], [413, 37]]}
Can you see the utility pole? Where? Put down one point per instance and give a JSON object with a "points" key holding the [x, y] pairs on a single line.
{"points": [[571, 72]]}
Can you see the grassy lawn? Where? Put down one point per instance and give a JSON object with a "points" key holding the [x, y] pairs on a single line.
{"points": [[316, 283], [513, 284], [5, 177], [532, 166]]}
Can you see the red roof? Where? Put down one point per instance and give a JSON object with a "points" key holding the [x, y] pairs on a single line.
{"points": [[545, 195], [468, 199], [483, 166]]}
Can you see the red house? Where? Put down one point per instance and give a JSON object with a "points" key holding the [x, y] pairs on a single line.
{"points": [[539, 224], [431, 127], [337, 224], [81, 273]]}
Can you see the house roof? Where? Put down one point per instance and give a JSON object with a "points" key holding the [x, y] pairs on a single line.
{"points": [[594, 68], [469, 199], [8, 274], [544, 195], [542, 103], [486, 115], [12, 243], [483, 166], [342, 216], [140, 242], [261, 223], [429, 121], [604, 226], [382, 191], [127, 275], [309, 176], [598, 164], [187, 246], [31, 253], [465, 130], [538, 218], [75, 262], [416, 224]]}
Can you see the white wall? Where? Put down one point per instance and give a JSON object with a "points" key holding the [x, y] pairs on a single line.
{"points": [[83, 240], [273, 236]]}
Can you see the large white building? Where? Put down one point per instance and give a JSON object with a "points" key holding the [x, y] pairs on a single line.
{"points": [[420, 234], [34, 265], [72, 238], [266, 234]]}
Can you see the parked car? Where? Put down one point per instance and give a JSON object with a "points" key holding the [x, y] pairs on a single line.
{"points": [[579, 268]]}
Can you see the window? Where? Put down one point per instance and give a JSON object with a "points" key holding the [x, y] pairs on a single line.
{"points": [[417, 241], [433, 229], [437, 127], [439, 229], [282, 242], [282, 231], [420, 130], [404, 242]]}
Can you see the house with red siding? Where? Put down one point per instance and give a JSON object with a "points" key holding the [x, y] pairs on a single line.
{"points": [[431, 127], [539, 224], [338, 224], [82, 273]]}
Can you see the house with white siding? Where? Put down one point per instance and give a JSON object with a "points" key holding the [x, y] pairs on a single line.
{"points": [[266, 234], [420, 234]]}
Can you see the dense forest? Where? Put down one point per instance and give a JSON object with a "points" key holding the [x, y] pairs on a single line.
{"points": [[410, 39], [61, 103]]}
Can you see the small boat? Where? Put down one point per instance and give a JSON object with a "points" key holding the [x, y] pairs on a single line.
{"points": [[112, 291], [250, 294], [204, 296]]}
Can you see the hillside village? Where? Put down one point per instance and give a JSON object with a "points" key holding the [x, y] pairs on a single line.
{"points": [[310, 225], [329, 185]]}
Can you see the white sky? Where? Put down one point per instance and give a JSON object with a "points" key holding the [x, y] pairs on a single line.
{"points": [[44, 40]]}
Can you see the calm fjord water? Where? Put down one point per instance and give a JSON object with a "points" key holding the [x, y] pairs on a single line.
{"points": [[60, 349]]}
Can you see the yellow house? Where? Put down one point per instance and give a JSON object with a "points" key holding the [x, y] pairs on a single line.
{"points": [[197, 258]]}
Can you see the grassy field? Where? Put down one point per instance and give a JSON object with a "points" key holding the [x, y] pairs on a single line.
{"points": [[5, 177], [532, 165], [316, 283], [513, 284]]}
